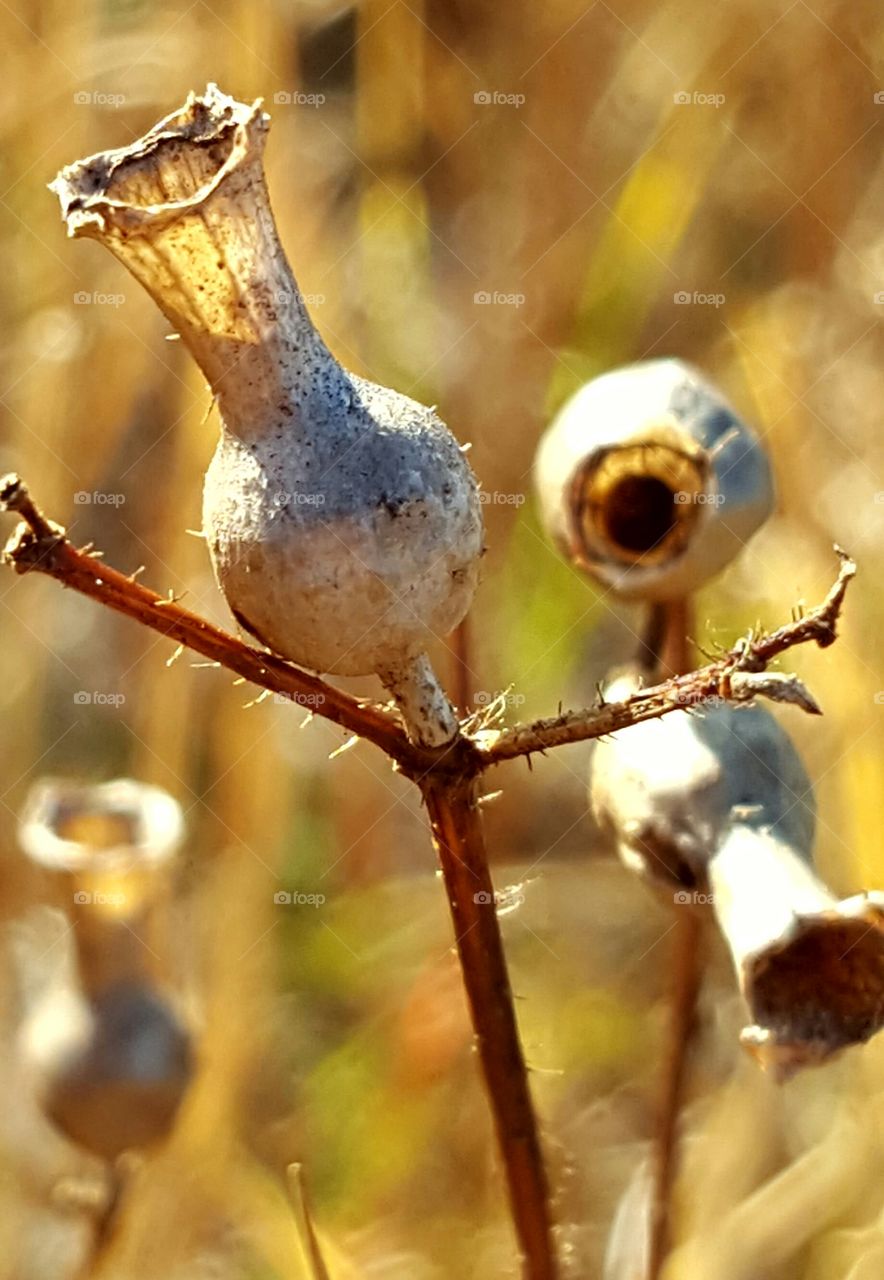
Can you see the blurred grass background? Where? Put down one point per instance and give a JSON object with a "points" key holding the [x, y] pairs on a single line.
{"points": [[590, 195]]}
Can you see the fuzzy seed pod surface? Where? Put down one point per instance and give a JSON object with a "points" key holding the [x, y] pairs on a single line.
{"points": [[650, 480], [343, 519]]}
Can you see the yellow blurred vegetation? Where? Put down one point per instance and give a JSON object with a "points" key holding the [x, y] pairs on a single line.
{"points": [[336, 1037]]}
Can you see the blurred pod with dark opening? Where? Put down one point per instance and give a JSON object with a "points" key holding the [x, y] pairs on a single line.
{"points": [[111, 1055], [651, 481], [716, 811]]}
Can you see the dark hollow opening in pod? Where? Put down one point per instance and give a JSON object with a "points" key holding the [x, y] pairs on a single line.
{"points": [[640, 501], [640, 513]]}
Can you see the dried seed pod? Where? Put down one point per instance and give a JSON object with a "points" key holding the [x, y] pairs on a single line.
{"points": [[112, 826], [715, 808], [111, 1067], [668, 789], [110, 1055], [650, 480], [811, 967], [343, 520]]}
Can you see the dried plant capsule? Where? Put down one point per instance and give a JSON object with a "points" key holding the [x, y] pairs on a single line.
{"points": [[111, 1068], [69, 827], [343, 520], [715, 808], [111, 1057], [669, 789], [650, 480]]}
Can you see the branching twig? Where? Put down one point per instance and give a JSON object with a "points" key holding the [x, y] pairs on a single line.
{"points": [[729, 678], [42, 546], [449, 790], [447, 777]]}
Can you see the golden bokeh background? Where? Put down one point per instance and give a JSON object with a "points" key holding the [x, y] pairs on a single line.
{"points": [[588, 166]]}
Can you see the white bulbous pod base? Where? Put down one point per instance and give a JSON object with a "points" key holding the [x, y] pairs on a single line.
{"points": [[342, 518]]}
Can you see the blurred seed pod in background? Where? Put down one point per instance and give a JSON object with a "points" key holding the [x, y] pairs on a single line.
{"points": [[650, 481], [66, 826], [715, 809], [110, 1055], [111, 1067]]}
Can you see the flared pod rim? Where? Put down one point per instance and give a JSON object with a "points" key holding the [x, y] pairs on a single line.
{"points": [[650, 481], [148, 821]]}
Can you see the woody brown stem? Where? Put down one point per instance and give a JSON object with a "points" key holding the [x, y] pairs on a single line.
{"points": [[41, 546], [447, 777], [460, 844]]}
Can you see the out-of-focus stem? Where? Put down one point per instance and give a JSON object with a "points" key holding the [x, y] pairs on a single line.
{"points": [[104, 1228], [674, 658], [457, 833]]}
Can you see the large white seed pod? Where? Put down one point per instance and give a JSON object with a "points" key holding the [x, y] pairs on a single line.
{"points": [[715, 809], [649, 480], [343, 520]]}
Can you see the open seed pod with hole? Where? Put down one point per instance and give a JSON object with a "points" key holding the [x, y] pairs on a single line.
{"points": [[715, 810], [343, 519], [110, 1055], [650, 480]]}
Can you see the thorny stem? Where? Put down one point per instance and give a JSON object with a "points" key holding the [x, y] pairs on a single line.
{"points": [[447, 777], [40, 545], [457, 835], [752, 654]]}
